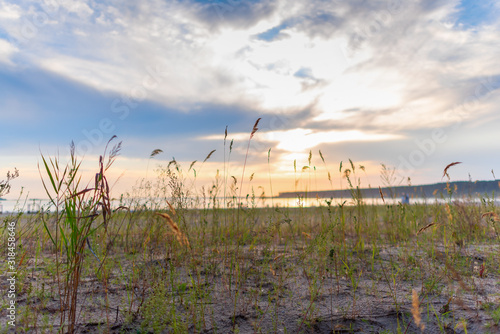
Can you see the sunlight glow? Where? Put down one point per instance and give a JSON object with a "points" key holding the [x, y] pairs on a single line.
{"points": [[301, 140]]}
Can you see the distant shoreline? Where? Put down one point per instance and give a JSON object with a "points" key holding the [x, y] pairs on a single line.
{"points": [[459, 188]]}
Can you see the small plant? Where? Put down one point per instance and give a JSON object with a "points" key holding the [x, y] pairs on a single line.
{"points": [[493, 311], [76, 214], [5, 184]]}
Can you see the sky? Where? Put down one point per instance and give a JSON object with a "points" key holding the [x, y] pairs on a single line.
{"points": [[410, 84]]}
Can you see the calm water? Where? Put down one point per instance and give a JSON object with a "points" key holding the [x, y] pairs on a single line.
{"points": [[34, 205]]}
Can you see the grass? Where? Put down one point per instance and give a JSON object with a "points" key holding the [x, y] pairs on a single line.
{"points": [[156, 264]]}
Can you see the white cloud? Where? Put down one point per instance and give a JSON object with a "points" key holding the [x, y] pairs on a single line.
{"points": [[81, 8], [229, 65], [9, 11], [300, 140], [6, 51], [371, 68]]}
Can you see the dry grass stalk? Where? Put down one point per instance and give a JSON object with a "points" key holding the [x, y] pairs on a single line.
{"points": [[209, 155], [172, 210], [381, 194], [192, 164], [448, 211], [416, 312], [255, 128], [321, 156], [445, 173], [278, 257], [456, 277], [425, 228], [307, 235], [181, 237], [272, 270], [491, 215], [155, 152]]}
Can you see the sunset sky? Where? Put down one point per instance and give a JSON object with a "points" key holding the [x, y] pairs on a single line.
{"points": [[411, 84]]}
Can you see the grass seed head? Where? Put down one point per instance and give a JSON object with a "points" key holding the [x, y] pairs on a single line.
{"points": [[172, 209], [209, 155], [155, 152], [445, 173], [415, 310], [255, 128], [181, 237], [491, 215], [425, 228], [382, 195]]}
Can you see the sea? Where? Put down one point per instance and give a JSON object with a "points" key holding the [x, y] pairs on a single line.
{"points": [[35, 205]]}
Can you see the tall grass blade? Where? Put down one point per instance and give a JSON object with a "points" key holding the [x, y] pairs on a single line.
{"points": [[47, 169], [90, 247]]}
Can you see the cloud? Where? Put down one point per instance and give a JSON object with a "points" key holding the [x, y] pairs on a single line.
{"points": [[335, 73], [80, 8], [350, 50], [9, 11], [7, 50]]}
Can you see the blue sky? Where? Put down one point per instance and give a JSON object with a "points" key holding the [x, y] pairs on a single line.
{"points": [[411, 84]]}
